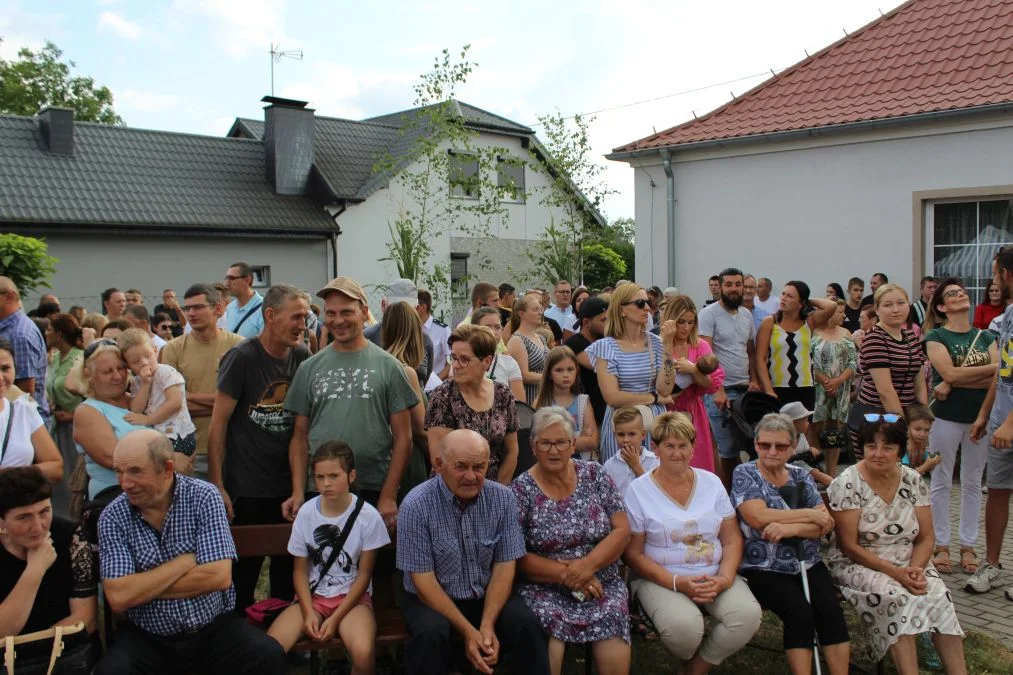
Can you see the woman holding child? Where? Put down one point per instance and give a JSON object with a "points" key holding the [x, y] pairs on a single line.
{"points": [[685, 549], [964, 360]]}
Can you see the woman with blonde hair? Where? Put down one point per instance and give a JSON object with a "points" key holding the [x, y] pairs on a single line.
{"points": [[401, 332], [526, 346], [632, 364]]}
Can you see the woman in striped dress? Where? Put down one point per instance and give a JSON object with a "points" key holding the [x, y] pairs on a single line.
{"points": [[634, 367], [784, 343], [526, 346]]}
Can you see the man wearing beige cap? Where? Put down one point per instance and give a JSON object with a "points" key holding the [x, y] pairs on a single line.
{"points": [[355, 392]]}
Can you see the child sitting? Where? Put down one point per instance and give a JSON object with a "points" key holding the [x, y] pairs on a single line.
{"points": [[805, 456], [919, 422], [706, 364], [158, 395], [333, 587], [634, 459]]}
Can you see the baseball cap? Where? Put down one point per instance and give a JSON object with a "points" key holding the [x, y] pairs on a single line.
{"points": [[795, 410], [346, 286], [402, 290], [591, 308]]}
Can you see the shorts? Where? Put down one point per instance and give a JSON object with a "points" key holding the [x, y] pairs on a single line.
{"points": [[185, 445], [1000, 469], [326, 606], [729, 442]]}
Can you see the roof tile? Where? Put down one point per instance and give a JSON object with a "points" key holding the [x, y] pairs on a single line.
{"points": [[925, 56]]}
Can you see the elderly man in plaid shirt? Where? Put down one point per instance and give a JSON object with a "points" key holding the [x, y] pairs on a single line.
{"points": [[458, 540], [166, 562], [31, 359]]}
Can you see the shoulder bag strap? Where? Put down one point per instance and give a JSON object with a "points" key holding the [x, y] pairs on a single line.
{"points": [[57, 648], [9, 654], [247, 316], [7, 431], [971, 348], [338, 543]]}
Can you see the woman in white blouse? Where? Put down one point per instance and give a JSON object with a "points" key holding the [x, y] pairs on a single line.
{"points": [[685, 549], [23, 437]]}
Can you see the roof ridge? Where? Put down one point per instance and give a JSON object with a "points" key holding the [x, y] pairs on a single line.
{"points": [[102, 125]]}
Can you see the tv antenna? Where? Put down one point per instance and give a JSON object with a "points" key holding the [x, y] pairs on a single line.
{"points": [[276, 57]]}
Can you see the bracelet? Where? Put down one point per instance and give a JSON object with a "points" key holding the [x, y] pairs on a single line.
{"points": [[655, 395], [675, 582]]}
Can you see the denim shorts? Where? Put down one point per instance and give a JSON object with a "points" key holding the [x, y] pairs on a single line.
{"points": [[1000, 469], [730, 444]]}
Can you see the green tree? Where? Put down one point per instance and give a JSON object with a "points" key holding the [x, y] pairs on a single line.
{"points": [[620, 236], [602, 266], [25, 261], [39, 79], [449, 181]]}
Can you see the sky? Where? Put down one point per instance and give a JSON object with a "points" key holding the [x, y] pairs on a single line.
{"points": [[195, 65]]}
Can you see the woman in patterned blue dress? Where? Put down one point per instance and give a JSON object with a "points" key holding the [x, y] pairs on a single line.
{"points": [[575, 529], [634, 367]]}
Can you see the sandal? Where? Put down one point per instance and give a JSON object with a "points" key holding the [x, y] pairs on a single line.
{"points": [[968, 560], [941, 560]]}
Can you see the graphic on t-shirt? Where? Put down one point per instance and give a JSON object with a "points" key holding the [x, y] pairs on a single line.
{"points": [[269, 412], [344, 383], [698, 549], [343, 570], [1006, 361]]}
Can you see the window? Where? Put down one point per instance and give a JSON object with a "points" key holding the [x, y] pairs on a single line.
{"points": [[965, 237], [261, 276], [463, 176], [510, 179], [459, 275]]}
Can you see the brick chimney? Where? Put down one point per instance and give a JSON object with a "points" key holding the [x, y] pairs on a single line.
{"points": [[57, 125], [288, 144]]}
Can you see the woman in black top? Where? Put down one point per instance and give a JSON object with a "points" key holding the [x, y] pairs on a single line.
{"points": [[47, 570]]}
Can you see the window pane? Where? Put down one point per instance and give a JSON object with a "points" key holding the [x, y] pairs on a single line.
{"points": [[510, 176], [955, 223], [463, 176], [996, 222], [967, 235]]}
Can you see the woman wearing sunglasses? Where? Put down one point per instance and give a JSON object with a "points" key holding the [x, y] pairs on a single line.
{"points": [[634, 367], [880, 556], [964, 362]]}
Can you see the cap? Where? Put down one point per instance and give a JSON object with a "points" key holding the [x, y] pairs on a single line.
{"points": [[795, 410], [647, 414], [402, 290], [591, 308], [346, 286]]}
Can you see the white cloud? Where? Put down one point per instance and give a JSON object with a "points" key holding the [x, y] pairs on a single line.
{"points": [[144, 101], [339, 90], [126, 29], [239, 28]]}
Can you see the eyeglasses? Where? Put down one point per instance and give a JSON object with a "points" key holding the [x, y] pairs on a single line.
{"points": [[196, 308], [547, 445], [232, 277], [956, 292], [641, 303], [462, 361], [889, 418], [103, 342], [780, 447]]}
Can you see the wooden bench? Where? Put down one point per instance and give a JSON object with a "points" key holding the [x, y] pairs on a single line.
{"points": [[255, 541]]}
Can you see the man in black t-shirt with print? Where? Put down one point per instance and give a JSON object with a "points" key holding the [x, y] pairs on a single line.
{"points": [[251, 430], [592, 327]]}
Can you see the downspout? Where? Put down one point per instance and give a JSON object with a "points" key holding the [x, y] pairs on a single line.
{"points": [[339, 209], [666, 163]]}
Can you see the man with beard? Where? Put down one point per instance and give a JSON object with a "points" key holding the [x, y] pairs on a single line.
{"points": [[251, 431], [728, 328], [749, 288], [592, 327]]}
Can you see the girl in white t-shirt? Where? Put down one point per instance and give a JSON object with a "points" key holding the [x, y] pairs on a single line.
{"points": [[561, 387], [158, 391], [340, 602], [23, 437]]}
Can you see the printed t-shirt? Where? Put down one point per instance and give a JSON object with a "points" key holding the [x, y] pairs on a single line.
{"points": [[179, 425], [963, 404]]}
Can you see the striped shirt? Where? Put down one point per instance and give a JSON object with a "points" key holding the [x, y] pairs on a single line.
{"points": [[460, 542], [904, 358]]}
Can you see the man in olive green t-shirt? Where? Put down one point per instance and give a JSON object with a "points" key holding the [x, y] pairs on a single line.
{"points": [[355, 392]]}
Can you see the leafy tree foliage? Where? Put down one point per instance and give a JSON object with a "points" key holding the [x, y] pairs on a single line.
{"points": [[25, 261], [602, 266]]}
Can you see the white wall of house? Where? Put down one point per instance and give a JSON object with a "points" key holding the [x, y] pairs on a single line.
{"points": [[819, 210], [91, 263]]}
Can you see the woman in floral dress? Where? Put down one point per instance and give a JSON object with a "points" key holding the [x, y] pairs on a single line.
{"points": [[835, 361], [575, 529], [880, 557]]}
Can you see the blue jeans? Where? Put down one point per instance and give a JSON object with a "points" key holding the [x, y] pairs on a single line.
{"points": [[725, 435]]}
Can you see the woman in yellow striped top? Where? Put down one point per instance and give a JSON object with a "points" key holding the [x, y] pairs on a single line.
{"points": [[784, 362]]}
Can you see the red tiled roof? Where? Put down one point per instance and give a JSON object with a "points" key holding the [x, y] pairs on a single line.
{"points": [[925, 56]]}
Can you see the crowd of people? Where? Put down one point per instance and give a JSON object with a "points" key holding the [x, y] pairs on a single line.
{"points": [[560, 467]]}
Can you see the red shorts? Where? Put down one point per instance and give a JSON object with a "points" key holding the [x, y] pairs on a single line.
{"points": [[326, 606]]}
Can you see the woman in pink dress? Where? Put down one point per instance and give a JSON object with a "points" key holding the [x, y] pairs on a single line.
{"points": [[687, 351]]}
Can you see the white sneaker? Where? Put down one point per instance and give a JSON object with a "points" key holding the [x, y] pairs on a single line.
{"points": [[981, 581], [1009, 593]]}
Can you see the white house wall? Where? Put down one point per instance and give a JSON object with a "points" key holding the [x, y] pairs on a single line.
{"points": [[91, 263], [820, 214]]}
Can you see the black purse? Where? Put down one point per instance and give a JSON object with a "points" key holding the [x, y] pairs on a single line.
{"points": [[833, 438]]}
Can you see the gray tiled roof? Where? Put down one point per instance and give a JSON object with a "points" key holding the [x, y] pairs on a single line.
{"points": [[474, 116], [120, 176]]}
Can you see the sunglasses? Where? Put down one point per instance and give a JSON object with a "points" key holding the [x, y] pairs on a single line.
{"points": [[889, 418], [104, 342], [641, 304]]}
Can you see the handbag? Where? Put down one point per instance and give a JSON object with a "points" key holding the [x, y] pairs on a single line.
{"points": [[263, 613], [56, 634], [91, 510], [832, 438]]}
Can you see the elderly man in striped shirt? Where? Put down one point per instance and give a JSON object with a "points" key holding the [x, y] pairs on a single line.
{"points": [[458, 540]]}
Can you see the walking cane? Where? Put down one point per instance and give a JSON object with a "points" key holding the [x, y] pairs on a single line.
{"points": [[791, 493]]}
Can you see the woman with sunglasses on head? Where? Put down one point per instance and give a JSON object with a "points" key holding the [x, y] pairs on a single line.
{"points": [[473, 400], [890, 362], [881, 551], [24, 439], [964, 361], [634, 366], [782, 520]]}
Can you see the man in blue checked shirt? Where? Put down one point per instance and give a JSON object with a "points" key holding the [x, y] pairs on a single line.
{"points": [[458, 540], [166, 562]]}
